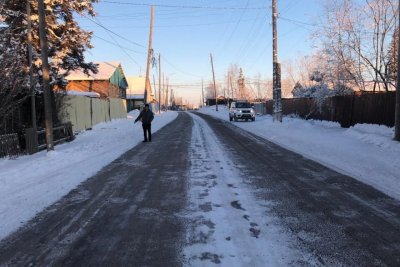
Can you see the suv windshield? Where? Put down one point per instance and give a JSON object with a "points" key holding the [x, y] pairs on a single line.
{"points": [[243, 105]]}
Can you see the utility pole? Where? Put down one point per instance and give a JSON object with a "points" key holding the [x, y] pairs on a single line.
{"points": [[276, 68], [202, 93], [166, 95], [159, 83], [397, 115], [31, 81], [46, 78], [230, 77], [163, 89], [149, 53], [215, 88], [172, 98]]}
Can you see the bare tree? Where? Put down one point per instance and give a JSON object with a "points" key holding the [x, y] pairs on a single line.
{"points": [[356, 37], [234, 72]]}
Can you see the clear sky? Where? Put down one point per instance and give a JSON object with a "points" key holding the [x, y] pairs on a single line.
{"points": [[186, 32]]}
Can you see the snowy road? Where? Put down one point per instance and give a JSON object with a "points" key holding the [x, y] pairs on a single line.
{"points": [[206, 193]]}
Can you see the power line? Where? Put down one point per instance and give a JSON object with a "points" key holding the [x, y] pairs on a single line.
{"points": [[184, 25], [122, 48], [184, 6], [112, 43], [178, 69], [236, 25], [303, 25], [116, 34]]}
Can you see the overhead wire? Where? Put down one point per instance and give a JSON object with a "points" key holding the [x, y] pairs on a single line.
{"points": [[114, 33], [115, 44], [236, 25], [183, 25], [184, 6], [122, 48], [178, 69]]}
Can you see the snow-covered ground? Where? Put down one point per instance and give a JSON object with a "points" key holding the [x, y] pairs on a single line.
{"points": [[228, 226], [29, 184], [365, 152]]}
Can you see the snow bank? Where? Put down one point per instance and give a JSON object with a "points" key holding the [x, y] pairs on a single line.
{"points": [[365, 152], [28, 184]]}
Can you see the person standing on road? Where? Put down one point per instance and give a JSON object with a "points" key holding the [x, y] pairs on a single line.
{"points": [[147, 116]]}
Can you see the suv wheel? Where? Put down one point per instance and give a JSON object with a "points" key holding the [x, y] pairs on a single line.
{"points": [[235, 118]]}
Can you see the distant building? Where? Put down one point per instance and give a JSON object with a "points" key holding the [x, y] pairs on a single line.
{"points": [[135, 93], [109, 82]]}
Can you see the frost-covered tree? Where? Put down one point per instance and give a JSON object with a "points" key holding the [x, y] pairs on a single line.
{"points": [[319, 91], [66, 40], [12, 85], [357, 35]]}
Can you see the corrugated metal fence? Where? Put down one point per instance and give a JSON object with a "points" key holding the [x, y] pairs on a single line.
{"points": [[84, 112]]}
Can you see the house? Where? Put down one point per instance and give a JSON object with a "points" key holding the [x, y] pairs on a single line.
{"points": [[109, 82], [135, 93]]}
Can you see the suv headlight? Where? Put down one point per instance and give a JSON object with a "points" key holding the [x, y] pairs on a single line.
{"points": [[239, 111], [252, 111]]}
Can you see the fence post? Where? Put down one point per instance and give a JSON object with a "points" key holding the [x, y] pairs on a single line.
{"points": [[31, 139]]}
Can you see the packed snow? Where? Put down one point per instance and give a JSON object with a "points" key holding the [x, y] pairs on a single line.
{"points": [[29, 184], [229, 226], [365, 152]]}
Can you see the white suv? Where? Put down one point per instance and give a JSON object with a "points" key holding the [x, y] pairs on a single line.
{"points": [[241, 110]]}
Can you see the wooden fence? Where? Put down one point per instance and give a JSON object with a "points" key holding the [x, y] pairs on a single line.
{"points": [[373, 108], [9, 145]]}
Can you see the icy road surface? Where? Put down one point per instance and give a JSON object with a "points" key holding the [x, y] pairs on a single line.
{"points": [[206, 193]]}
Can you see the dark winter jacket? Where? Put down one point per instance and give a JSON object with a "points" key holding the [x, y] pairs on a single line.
{"points": [[146, 116]]}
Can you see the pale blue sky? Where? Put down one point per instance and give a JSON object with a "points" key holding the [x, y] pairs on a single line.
{"points": [[185, 35]]}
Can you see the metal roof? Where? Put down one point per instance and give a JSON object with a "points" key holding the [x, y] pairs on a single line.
{"points": [[105, 71]]}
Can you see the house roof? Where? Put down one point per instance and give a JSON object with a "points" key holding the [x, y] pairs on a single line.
{"points": [[105, 72], [135, 96], [79, 93]]}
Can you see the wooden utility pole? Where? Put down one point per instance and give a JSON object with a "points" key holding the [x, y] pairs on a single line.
{"points": [[149, 53], [230, 95], [397, 113], [202, 92], [31, 81], [215, 88], [159, 83], [231, 86], [163, 89], [46, 77], [166, 95], [276, 68]]}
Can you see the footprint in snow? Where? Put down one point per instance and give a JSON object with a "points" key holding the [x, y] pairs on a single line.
{"points": [[237, 205]]}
